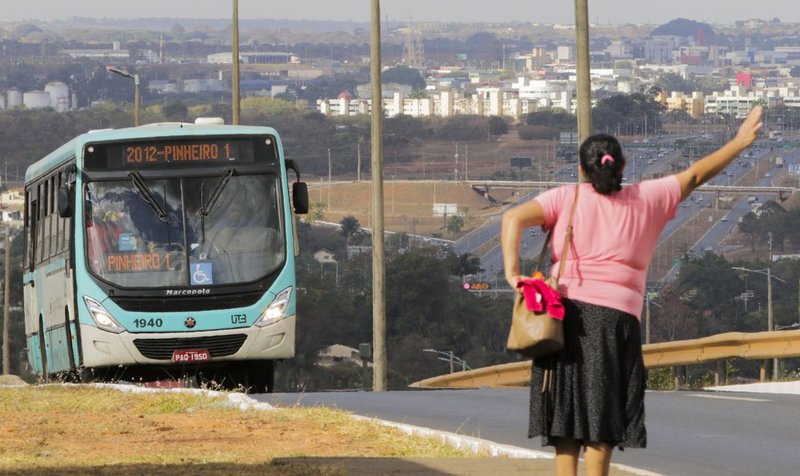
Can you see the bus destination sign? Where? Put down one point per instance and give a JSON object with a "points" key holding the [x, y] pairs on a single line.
{"points": [[165, 153], [176, 153]]}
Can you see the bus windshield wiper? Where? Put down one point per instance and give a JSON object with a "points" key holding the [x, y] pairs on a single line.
{"points": [[223, 181], [147, 196]]}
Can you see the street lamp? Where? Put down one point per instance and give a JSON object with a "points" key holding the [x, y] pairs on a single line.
{"points": [[449, 357], [770, 322], [137, 98], [648, 299]]}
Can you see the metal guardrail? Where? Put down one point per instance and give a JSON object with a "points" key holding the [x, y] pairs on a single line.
{"points": [[703, 188], [757, 345]]}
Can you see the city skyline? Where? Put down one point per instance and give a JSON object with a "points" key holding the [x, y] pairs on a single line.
{"points": [[600, 11]]}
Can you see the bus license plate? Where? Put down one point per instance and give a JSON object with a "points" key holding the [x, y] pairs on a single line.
{"points": [[191, 355]]}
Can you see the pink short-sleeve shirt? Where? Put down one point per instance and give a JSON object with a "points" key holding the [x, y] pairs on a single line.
{"points": [[614, 237]]}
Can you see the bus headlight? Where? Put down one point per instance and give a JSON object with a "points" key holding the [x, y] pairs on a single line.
{"points": [[102, 317], [274, 312]]}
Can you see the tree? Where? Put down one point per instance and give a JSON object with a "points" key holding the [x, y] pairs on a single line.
{"points": [[629, 113], [464, 264], [556, 119], [497, 126], [175, 111], [257, 107], [350, 227], [404, 75], [672, 82], [454, 224], [316, 211]]}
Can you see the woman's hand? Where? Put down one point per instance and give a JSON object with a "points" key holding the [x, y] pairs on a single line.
{"points": [[748, 131], [514, 280]]}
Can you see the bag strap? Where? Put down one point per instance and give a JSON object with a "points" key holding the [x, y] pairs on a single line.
{"points": [[567, 239]]}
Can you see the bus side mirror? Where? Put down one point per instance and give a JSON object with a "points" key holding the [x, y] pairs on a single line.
{"points": [[64, 201], [299, 189], [300, 197]]}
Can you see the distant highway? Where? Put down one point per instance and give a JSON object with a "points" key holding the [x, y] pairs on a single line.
{"points": [[645, 164]]}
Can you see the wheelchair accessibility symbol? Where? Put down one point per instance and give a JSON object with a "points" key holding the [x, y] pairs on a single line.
{"points": [[202, 273]]}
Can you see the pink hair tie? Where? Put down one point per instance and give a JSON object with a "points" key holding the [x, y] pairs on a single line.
{"points": [[606, 158]]}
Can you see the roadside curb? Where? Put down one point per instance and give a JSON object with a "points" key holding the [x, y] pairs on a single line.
{"points": [[236, 400], [476, 445]]}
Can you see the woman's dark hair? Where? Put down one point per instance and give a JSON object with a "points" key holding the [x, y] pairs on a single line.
{"points": [[605, 173]]}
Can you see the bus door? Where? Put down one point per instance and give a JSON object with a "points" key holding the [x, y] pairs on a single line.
{"points": [[34, 326], [56, 275], [63, 250]]}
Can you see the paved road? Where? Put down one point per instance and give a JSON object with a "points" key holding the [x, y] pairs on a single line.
{"points": [[689, 433]]}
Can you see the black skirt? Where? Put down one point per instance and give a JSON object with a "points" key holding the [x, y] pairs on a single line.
{"points": [[596, 382]]}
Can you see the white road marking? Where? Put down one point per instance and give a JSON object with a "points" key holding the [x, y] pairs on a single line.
{"points": [[720, 397]]}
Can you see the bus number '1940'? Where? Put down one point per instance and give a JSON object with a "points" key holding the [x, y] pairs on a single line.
{"points": [[140, 323]]}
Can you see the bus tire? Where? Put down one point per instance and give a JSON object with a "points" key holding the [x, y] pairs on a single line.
{"points": [[261, 376], [43, 350]]}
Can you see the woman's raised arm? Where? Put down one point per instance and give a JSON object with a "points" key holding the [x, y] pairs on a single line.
{"points": [[709, 166]]}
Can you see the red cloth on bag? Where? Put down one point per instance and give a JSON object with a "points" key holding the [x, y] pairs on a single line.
{"points": [[539, 296]]}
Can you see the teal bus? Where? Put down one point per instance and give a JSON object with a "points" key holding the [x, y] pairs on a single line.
{"points": [[164, 251]]}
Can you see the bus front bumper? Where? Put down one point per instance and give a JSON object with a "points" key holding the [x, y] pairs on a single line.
{"points": [[103, 349]]}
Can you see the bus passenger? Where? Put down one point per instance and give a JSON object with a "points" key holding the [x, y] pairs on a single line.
{"points": [[103, 234]]}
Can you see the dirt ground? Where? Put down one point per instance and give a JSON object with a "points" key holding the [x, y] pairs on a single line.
{"points": [[77, 430]]}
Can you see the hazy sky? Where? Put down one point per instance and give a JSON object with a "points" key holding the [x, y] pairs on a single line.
{"points": [[550, 11]]}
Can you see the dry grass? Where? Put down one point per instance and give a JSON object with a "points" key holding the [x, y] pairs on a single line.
{"points": [[408, 206], [78, 429]]}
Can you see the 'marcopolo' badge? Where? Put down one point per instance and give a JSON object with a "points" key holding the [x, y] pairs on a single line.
{"points": [[190, 322]]}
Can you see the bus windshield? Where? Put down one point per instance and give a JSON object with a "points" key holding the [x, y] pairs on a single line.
{"points": [[200, 231]]}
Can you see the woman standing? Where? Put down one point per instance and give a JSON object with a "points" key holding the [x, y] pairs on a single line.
{"points": [[596, 399]]}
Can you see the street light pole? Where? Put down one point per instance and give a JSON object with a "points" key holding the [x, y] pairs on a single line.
{"points": [[449, 356], [770, 322], [137, 95]]}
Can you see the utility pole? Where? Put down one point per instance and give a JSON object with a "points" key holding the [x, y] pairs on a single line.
{"points": [[770, 316], [235, 64], [358, 167], [329, 178], [379, 375], [466, 162], [584, 85], [137, 100], [6, 304], [455, 166]]}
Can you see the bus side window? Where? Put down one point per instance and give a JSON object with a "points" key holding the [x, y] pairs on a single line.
{"points": [[67, 222], [30, 228], [39, 222], [48, 236], [60, 232]]}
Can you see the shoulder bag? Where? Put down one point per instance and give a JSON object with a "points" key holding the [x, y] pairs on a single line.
{"points": [[536, 334]]}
